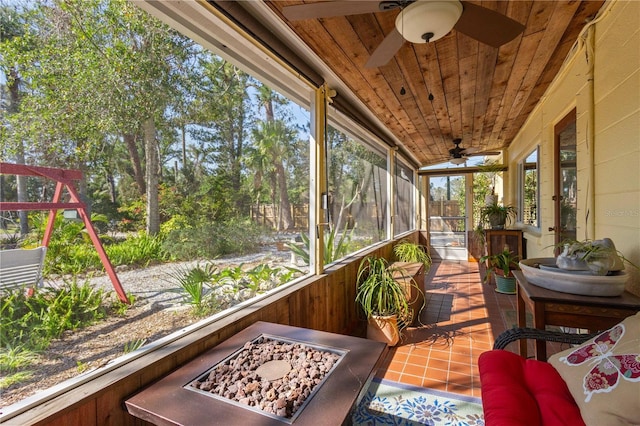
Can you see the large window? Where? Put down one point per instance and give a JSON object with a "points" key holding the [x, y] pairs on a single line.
{"points": [[191, 163], [404, 215], [357, 200], [194, 159], [529, 171]]}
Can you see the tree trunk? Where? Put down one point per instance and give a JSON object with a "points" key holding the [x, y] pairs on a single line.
{"points": [[184, 146], [83, 189], [152, 162], [111, 182], [22, 195], [13, 83], [138, 175], [285, 205]]}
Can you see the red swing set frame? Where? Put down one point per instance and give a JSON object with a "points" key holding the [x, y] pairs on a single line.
{"points": [[64, 180]]}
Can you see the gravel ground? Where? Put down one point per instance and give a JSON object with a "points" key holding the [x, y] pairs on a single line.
{"points": [[157, 312]]}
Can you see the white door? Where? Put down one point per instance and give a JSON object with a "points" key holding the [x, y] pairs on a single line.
{"points": [[447, 216]]}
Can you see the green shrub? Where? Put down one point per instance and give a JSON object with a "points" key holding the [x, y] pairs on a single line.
{"points": [[137, 250], [214, 240], [49, 312], [28, 324], [71, 307], [71, 251], [176, 222]]}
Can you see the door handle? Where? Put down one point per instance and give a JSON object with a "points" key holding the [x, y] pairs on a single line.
{"points": [[552, 228]]}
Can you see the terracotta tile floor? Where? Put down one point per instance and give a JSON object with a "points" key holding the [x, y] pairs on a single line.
{"points": [[460, 320]]}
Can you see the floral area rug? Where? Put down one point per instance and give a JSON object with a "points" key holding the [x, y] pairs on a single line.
{"points": [[392, 403]]}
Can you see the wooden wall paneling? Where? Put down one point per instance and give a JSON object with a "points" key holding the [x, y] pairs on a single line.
{"points": [[298, 307], [351, 318], [109, 408], [318, 299], [281, 312], [84, 414], [335, 310]]}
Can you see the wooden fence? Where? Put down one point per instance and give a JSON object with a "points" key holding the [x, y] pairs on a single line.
{"points": [[267, 215]]}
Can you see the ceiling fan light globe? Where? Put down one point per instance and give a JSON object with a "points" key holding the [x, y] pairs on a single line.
{"points": [[458, 161], [428, 16]]}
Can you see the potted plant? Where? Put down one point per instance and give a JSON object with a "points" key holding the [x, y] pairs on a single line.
{"points": [[383, 300], [501, 266], [407, 251], [478, 242], [598, 256], [492, 169], [497, 214]]}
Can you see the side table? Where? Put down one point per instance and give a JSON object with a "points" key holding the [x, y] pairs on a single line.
{"points": [[550, 307]]}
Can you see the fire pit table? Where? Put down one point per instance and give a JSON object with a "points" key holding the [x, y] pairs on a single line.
{"points": [[267, 374]]}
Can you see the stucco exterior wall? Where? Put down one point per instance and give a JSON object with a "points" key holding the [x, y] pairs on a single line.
{"points": [[615, 143]]}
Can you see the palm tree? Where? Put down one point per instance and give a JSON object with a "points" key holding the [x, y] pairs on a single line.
{"points": [[273, 140]]}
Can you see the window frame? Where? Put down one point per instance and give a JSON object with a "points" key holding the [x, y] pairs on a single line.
{"points": [[401, 162], [521, 178]]}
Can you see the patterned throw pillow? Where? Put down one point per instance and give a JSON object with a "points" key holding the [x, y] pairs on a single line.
{"points": [[603, 375]]}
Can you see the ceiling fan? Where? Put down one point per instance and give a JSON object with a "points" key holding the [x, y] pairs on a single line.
{"points": [[419, 21], [459, 155]]}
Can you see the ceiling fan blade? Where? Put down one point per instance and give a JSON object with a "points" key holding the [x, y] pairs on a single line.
{"points": [[486, 25], [387, 49], [329, 9]]}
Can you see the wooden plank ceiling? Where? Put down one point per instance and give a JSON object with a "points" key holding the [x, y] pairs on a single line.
{"points": [[480, 93]]}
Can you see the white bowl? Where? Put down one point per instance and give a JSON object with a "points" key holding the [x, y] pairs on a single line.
{"points": [[543, 272]]}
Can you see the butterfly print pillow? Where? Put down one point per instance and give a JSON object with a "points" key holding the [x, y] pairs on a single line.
{"points": [[603, 375]]}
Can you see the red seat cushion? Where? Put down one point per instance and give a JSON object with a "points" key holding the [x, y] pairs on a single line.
{"points": [[518, 391]]}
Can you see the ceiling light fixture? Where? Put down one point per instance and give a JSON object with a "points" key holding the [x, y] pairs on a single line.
{"points": [[424, 21], [458, 161]]}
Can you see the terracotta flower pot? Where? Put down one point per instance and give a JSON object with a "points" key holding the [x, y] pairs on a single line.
{"points": [[384, 329]]}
